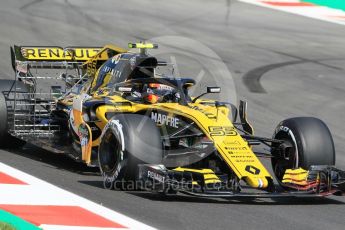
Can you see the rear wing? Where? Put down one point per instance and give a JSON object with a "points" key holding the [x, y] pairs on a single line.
{"points": [[77, 54], [33, 65]]}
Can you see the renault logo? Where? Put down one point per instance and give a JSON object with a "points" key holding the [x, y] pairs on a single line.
{"points": [[253, 170]]}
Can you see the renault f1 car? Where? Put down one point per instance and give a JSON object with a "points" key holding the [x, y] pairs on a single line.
{"points": [[112, 108]]}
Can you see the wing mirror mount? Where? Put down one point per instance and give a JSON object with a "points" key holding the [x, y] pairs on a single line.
{"points": [[210, 89]]}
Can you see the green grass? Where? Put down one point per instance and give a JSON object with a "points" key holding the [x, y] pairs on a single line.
{"points": [[337, 4], [6, 226], [9, 221]]}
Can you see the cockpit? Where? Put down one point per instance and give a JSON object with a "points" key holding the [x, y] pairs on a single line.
{"points": [[155, 90]]}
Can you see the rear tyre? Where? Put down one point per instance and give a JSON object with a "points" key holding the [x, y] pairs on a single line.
{"points": [[3, 120], [6, 140], [307, 141], [126, 141]]}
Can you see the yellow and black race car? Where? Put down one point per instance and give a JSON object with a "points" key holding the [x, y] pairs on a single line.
{"points": [[111, 108]]}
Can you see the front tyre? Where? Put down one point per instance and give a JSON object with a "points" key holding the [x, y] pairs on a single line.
{"points": [[126, 141], [306, 141]]}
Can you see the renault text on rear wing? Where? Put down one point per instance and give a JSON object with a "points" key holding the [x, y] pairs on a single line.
{"points": [[54, 53]]}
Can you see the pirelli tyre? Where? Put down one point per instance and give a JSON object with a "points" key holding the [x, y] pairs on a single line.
{"points": [[126, 141], [6, 140], [3, 120], [307, 141]]}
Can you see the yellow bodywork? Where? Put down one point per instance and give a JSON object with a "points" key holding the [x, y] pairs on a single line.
{"points": [[82, 128], [209, 176], [296, 176], [92, 64]]}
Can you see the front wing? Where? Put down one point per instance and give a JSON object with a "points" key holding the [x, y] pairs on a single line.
{"points": [[321, 181]]}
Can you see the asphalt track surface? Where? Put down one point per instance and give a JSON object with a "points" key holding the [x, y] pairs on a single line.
{"points": [[284, 65]]}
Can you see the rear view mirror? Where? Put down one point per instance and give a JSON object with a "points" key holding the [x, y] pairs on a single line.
{"points": [[123, 89], [213, 89]]}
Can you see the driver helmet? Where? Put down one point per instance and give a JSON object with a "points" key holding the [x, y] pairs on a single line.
{"points": [[156, 92]]}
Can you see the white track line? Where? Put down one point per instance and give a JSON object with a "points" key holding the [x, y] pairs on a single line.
{"points": [[317, 12], [59, 227], [39, 192]]}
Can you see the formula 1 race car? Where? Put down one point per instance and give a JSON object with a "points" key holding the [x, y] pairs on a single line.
{"points": [[112, 108]]}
